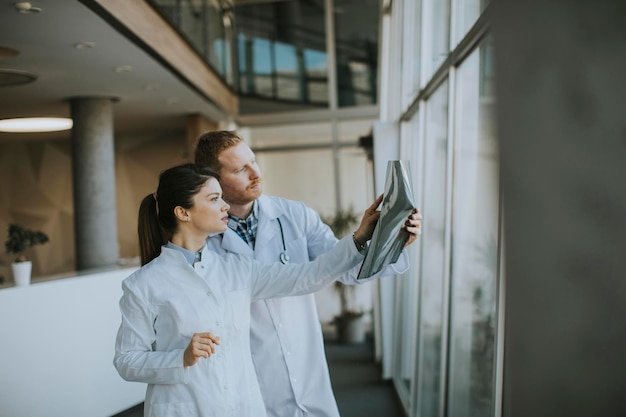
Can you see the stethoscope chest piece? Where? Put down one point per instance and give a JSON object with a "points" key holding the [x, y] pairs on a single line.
{"points": [[284, 256]]}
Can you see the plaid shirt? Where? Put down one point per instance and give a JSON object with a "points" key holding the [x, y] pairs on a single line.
{"points": [[246, 228]]}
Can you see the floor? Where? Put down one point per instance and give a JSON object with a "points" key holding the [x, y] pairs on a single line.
{"points": [[359, 390]]}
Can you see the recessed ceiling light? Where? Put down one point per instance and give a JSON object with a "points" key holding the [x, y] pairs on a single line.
{"points": [[172, 100], [123, 68], [26, 7], [35, 124], [10, 77], [84, 45], [8, 52]]}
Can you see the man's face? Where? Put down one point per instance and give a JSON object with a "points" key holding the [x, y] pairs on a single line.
{"points": [[241, 176]]}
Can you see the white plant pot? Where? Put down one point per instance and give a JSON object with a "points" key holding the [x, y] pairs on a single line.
{"points": [[21, 272], [351, 329]]}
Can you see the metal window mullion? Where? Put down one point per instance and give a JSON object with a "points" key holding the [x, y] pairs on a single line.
{"points": [[407, 49], [273, 73], [453, 19], [415, 133], [332, 95], [417, 388], [385, 55], [401, 389], [500, 315], [448, 264], [467, 45]]}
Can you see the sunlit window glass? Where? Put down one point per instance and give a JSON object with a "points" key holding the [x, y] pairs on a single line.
{"points": [[467, 12], [475, 242], [433, 255], [438, 34]]}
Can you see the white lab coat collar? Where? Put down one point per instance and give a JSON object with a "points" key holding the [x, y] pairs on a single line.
{"points": [[175, 263], [268, 213]]}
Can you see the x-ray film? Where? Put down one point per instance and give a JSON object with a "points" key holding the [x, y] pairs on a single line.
{"points": [[389, 237]]}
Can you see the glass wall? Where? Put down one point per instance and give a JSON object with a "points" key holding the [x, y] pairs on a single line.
{"points": [[475, 242], [283, 53], [205, 24], [433, 272], [278, 50], [445, 351], [356, 45]]}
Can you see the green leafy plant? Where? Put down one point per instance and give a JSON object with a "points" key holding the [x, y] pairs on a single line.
{"points": [[341, 224], [20, 239]]}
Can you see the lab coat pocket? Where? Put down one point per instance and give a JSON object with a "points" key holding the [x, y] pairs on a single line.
{"points": [[174, 410]]}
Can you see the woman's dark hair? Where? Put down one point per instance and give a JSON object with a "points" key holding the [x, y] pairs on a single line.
{"points": [[157, 221]]}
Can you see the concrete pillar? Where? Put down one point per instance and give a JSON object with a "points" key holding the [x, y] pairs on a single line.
{"points": [[560, 68], [93, 163]]}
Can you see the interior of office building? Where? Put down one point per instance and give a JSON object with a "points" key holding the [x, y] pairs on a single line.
{"points": [[326, 92]]}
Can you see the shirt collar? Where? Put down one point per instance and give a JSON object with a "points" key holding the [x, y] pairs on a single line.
{"points": [[254, 214], [190, 256], [246, 228]]}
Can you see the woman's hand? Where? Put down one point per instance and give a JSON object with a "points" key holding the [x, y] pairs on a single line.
{"points": [[413, 225], [202, 345], [368, 222]]}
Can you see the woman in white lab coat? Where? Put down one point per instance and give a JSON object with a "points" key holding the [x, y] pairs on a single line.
{"points": [[186, 313]]}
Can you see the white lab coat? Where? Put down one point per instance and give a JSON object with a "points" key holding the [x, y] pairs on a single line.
{"points": [[286, 336], [168, 300]]}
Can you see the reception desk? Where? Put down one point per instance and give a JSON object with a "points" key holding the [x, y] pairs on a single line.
{"points": [[57, 340]]}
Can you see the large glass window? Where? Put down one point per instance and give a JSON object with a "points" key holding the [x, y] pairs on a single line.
{"points": [[204, 24], [434, 265], [438, 34], [467, 12], [282, 54], [407, 286], [412, 48], [316, 67], [356, 45], [475, 242]]}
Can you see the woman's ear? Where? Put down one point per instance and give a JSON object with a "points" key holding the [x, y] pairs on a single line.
{"points": [[181, 214]]}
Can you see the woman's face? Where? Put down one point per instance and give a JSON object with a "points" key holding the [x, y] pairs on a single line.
{"points": [[209, 213]]}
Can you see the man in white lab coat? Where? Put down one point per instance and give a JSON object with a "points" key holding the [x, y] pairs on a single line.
{"points": [[286, 336]]}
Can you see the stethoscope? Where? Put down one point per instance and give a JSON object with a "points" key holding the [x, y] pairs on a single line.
{"points": [[284, 256]]}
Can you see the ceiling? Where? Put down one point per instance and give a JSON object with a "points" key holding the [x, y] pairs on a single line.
{"points": [[149, 97]]}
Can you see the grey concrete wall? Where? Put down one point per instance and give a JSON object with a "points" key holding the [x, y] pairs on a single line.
{"points": [[561, 74]]}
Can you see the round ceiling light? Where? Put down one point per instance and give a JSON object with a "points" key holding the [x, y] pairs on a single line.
{"points": [[35, 124], [9, 77], [6, 52]]}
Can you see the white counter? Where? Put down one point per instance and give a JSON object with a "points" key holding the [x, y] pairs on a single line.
{"points": [[57, 342]]}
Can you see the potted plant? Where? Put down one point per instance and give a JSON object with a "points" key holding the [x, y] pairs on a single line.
{"points": [[20, 239], [349, 323]]}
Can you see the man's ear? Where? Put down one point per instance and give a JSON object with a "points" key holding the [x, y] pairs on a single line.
{"points": [[182, 214]]}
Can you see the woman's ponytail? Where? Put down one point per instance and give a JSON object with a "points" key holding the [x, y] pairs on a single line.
{"points": [[151, 237]]}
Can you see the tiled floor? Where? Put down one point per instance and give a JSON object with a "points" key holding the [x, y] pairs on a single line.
{"points": [[359, 390]]}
